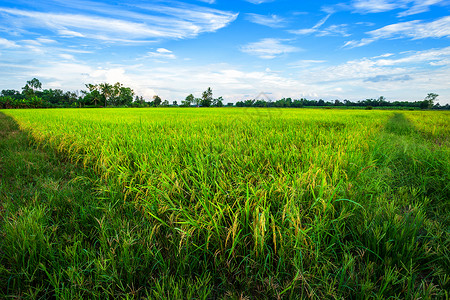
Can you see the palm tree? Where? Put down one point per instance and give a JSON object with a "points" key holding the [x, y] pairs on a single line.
{"points": [[106, 90]]}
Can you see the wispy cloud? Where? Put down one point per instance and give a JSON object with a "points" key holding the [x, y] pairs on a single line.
{"points": [[332, 30], [4, 43], [381, 78], [273, 21], [305, 63], [376, 6], [313, 29], [268, 48], [259, 1], [409, 7], [388, 65], [412, 29], [174, 22], [420, 6], [67, 56], [162, 53]]}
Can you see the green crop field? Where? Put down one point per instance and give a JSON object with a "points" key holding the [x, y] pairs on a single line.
{"points": [[227, 203]]}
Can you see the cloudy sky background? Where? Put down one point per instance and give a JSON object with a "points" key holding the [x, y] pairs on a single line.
{"points": [[315, 49]]}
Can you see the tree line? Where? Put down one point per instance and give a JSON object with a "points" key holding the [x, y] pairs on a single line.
{"points": [[118, 95], [427, 103]]}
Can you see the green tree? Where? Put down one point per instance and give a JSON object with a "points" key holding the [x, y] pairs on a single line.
{"points": [[139, 100], [428, 102], [207, 98], [188, 101], [29, 90], [125, 96], [71, 98], [54, 97], [106, 90], [94, 95], [218, 102], [11, 93], [156, 100]]}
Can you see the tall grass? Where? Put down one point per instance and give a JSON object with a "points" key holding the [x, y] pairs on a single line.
{"points": [[227, 203]]}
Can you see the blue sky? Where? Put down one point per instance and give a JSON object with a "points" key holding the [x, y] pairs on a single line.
{"points": [[315, 49]]}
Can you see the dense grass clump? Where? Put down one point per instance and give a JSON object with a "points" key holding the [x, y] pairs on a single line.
{"points": [[226, 203]]}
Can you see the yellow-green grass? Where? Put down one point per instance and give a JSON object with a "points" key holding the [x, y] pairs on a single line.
{"points": [[262, 202]]}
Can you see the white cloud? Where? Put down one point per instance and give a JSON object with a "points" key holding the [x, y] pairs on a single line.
{"points": [[376, 6], [409, 7], [259, 1], [383, 73], [162, 53], [431, 56], [69, 33], [67, 56], [174, 22], [313, 29], [268, 48], [4, 43], [419, 6], [273, 21], [305, 63], [412, 29], [332, 30], [355, 79]]}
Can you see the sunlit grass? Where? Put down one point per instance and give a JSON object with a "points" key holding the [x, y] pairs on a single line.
{"points": [[249, 202]]}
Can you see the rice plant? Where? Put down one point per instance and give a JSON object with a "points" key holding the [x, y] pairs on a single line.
{"points": [[232, 203]]}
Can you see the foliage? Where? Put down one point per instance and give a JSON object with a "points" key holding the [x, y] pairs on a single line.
{"points": [[189, 99], [106, 94], [156, 100], [207, 98], [428, 101]]}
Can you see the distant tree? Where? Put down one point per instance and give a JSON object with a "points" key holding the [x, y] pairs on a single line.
{"points": [[114, 98], [156, 100], [54, 97], [175, 103], [165, 103], [71, 98], [218, 102], [125, 96], [189, 99], [207, 98], [35, 84], [428, 102], [93, 96], [297, 103], [30, 88], [260, 103], [106, 90], [139, 101], [249, 102], [11, 93], [381, 101]]}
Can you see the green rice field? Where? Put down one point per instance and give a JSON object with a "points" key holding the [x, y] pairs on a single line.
{"points": [[224, 203]]}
